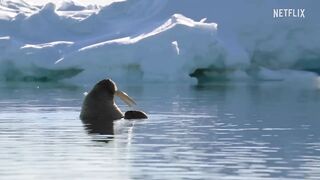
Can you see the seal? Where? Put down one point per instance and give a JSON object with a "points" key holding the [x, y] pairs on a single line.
{"points": [[99, 109]]}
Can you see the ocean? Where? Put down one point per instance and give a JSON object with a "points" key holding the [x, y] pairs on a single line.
{"points": [[259, 130]]}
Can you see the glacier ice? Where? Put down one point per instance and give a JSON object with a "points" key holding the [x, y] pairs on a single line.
{"points": [[158, 40]]}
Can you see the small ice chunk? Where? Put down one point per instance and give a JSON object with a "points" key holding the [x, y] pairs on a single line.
{"points": [[203, 20], [176, 47]]}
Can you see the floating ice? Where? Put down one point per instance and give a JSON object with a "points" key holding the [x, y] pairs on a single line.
{"points": [[157, 40]]}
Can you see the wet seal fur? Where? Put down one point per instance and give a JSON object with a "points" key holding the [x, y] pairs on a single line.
{"points": [[99, 109], [135, 115]]}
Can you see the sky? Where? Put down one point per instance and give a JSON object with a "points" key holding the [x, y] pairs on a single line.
{"points": [[85, 2]]}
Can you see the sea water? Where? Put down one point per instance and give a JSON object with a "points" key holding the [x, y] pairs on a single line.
{"points": [[245, 131]]}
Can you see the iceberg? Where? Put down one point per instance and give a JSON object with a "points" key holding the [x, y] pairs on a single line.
{"points": [[169, 52], [157, 41]]}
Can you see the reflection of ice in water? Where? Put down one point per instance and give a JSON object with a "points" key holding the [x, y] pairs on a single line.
{"points": [[260, 131]]}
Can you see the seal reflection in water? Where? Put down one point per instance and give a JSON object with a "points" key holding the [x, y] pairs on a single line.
{"points": [[99, 109]]}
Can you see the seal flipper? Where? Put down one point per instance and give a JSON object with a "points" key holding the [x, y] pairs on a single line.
{"points": [[135, 115]]}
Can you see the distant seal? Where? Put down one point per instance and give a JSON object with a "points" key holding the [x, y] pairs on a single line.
{"points": [[99, 109]]}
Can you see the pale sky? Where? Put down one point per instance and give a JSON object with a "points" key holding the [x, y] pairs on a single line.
{"points": [[85, 2]]}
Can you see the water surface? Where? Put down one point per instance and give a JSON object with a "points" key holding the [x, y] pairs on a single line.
{"points": [[223, 131]]}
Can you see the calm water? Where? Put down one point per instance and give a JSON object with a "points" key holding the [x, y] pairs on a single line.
{"points": [[226, 131]]}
